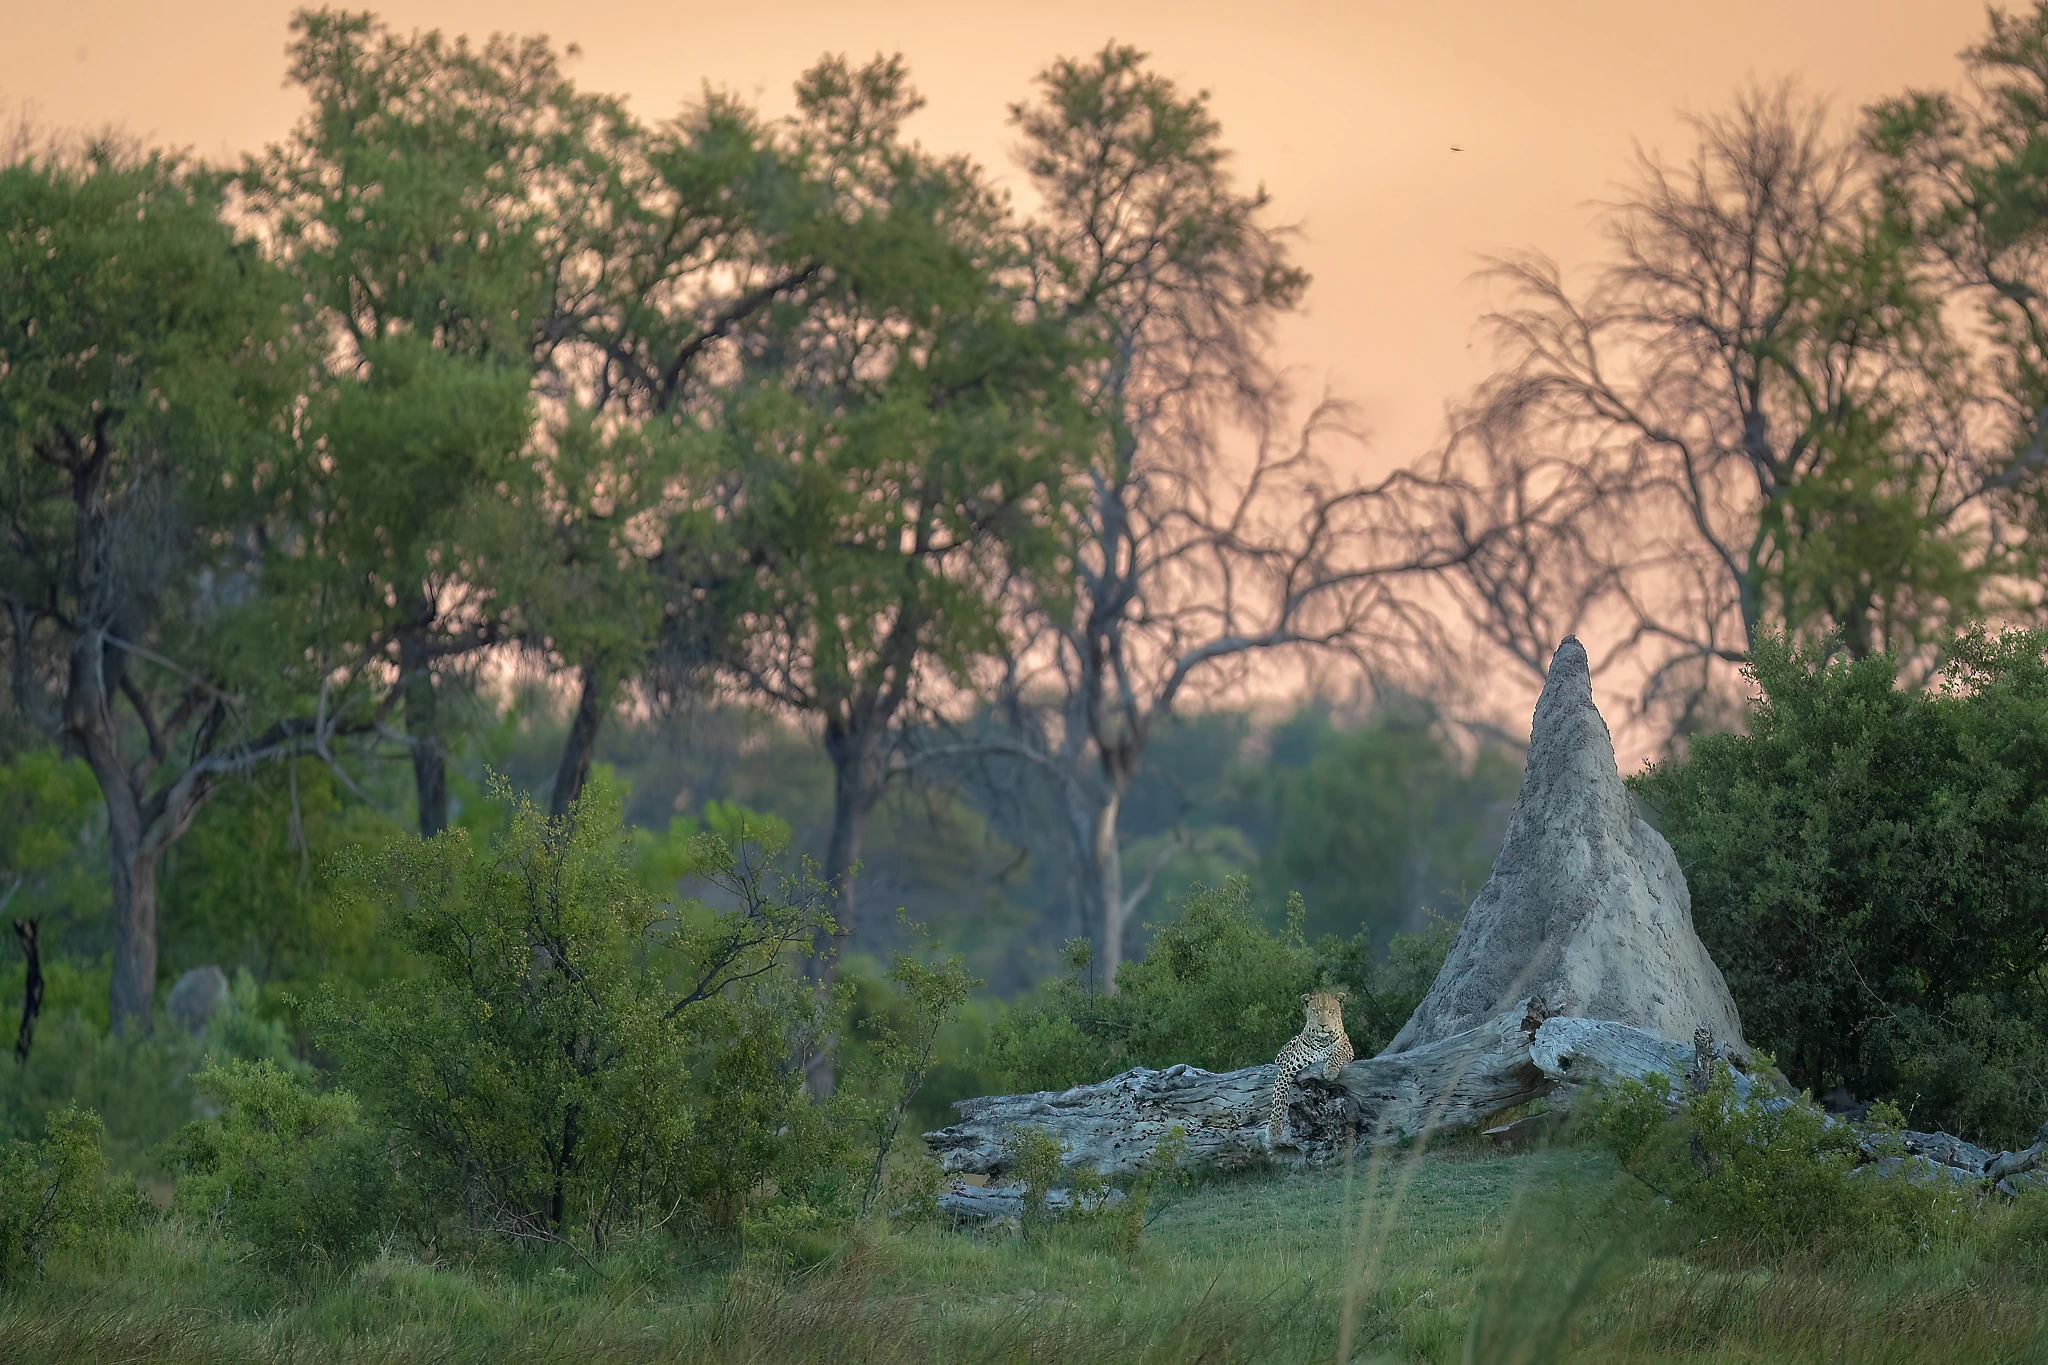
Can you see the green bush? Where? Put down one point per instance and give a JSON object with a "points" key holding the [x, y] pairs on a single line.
{"points": [[290, 1170], [573, 1058], [1217, 989], [138, 1084], [1979, 1067], [54, 1192], [1869, 867], [1765, 1173]]}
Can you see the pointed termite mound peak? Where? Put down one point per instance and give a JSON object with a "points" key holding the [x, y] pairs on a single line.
{"points": [[1586, 913]]}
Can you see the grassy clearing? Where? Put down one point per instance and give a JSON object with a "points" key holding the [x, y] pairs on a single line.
{"points": [[1464, 1255]]}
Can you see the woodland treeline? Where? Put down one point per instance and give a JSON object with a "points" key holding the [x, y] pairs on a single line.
{"points": [[784, 470]]}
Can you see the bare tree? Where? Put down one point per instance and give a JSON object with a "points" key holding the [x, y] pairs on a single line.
{"points": [[1179, 572], [1195, 579], [1747, 422]]}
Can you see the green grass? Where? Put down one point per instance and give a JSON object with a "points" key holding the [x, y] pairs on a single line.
{"points": [[1461, 1255]]}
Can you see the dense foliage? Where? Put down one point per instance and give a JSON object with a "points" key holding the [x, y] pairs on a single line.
{"points": [[1868, 867], [1219, 989], [574, 1057], [55, 1191]]}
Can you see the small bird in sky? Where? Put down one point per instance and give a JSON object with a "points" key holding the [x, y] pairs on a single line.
{"points": [[1457, 149]]}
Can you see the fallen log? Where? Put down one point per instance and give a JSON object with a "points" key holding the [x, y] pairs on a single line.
{"points": [[1457, 1082]]}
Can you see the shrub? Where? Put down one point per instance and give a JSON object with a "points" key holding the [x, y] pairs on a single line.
{"points": [[573, 1057], [139, 1085], [292, 1171], [55, 1191], [1868, 861], [1217, 989], [135, 1084], [1765, 1173], [927, 996], [1979, 1068]]}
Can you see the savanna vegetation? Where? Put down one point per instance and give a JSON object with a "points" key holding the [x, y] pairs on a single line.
{"points": [[656, 655]]}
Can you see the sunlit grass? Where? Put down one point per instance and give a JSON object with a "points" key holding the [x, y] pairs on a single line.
{"points": [[1460, 1255]]}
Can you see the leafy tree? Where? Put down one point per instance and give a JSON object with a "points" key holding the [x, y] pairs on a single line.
{"points": [[1966, 177], [710, 232], [1867, 861], [889, 443], [414, 207], [147, 376]]}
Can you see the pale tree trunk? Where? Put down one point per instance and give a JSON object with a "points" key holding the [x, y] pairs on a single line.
{"points": [[1109, 889], [580, 749]]}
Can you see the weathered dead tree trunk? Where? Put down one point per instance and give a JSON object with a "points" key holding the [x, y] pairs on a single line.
{"points": [[1454, 1083]]}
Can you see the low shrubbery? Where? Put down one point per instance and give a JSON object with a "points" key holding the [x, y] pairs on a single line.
{"points": [[139, 1085], [1217, 989], [289, 1169], [574, 1058], [568, 1060], [56, 1191], [1767, 1172]]}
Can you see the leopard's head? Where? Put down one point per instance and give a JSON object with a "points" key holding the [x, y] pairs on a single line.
{"points": [[1325, 1009]]}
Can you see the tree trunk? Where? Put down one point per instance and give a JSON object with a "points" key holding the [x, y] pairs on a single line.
{"points": [[131, 858], [31, 982], [851, 798], [852, 795], [580, 748], [1109, 888], [133, 869], [422, 726]]}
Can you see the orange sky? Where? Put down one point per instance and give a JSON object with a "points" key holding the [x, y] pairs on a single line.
{"points": [[1348, 112]]}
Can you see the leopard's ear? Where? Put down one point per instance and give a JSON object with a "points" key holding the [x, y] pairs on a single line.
{"points": [[1305, 999], [1341, 994]]}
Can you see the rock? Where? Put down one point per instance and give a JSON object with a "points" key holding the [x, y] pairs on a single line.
{"points": [[1948, 1150], [2035, 1182], [199, 995], [1586, 909], [1920, 1170], [966, 1203]]}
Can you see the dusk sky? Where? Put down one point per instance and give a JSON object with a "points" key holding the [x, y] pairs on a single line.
{"points": [[1347, 112]]}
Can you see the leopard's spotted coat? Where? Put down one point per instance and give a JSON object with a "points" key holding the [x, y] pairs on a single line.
{"points": [[1322, 1039]]}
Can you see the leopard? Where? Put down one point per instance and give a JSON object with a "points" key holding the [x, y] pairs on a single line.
{"points": [[1322, 1039]]}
